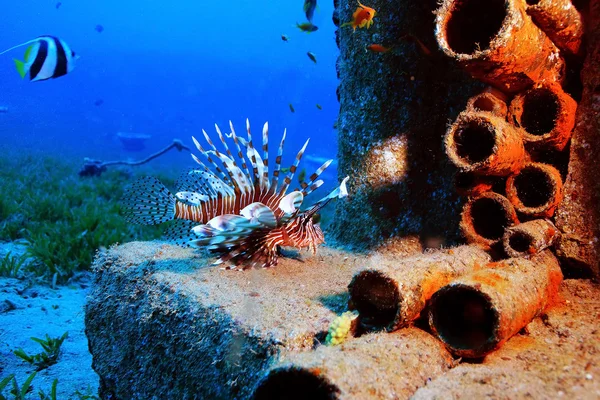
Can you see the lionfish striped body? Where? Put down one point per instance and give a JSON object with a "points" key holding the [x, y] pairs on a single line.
{"points": [[234, 209]]}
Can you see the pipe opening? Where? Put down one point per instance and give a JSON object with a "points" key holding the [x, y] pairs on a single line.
{"points": [[463, 317], [295, 384], [473, 24], [534, 187], [490, 218], [475, 141], [376, 298], [540, 111], [483, 104], [532, 2], [520, 241]]}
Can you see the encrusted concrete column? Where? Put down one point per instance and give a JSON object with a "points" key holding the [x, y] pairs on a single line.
{"points": [[394, 108], [578, 216]]}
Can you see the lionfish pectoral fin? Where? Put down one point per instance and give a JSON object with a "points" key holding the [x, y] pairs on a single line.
{"points": [[291, 202], [260, 213]]}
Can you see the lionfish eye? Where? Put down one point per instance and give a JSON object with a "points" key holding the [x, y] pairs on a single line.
{"points": [[316, 218]]}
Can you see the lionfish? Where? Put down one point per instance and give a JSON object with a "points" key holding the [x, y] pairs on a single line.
{"points": [[233, 210]]}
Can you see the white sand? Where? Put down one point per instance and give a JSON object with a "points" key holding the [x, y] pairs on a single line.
{"points": [[41, 310]]}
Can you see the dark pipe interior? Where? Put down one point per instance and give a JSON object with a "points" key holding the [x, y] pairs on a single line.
{"points": [[376, 299], [473, 24], [463, 317], [295, 384], [532, 2], [520, 241], [475, 141], [540, 111], [464, 180], [483, 104], [534, 187], [489, 217]]}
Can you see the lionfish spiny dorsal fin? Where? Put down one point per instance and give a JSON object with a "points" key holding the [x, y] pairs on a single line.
{"points": [[314, 177], [212, 181], [210, 160], [312, 187], [240, 154], [290, 175], [251, 152], [265, 146], [275, 180]]}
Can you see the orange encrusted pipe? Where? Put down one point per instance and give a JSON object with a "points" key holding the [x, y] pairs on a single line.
{"points": [[476, 313], [374, 366], [529, 238], [487, 101], [470, 185], [391, 293], [482, 143], [484, 219], [546, 115], [536, 190], [560, 21], [497, 43]]}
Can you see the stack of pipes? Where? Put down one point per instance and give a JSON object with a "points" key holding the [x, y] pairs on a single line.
{"points": [[500, 144]]}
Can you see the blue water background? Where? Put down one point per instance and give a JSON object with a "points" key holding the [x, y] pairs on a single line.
{"points": [[169, 69]]}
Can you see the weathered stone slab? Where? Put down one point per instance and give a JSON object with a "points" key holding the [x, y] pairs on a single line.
{"points": [[162, 325]]}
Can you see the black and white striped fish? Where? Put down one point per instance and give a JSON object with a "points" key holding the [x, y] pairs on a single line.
{"points": [[231, 205], [47, 57]]}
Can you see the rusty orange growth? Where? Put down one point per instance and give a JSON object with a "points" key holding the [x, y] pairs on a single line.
{"points": [[497, 43], [485, 144], [529, 237], [536, 190], [478, 312], [391, 292], [484, 219], [470, 185], [560, 21], [546, 114], [488, 102]]}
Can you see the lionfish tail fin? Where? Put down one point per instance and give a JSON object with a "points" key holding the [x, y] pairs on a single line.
{"points": [[148, 202]]}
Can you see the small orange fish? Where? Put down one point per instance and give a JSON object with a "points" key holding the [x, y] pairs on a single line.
{"points": [[377, 48], [362, 17]]}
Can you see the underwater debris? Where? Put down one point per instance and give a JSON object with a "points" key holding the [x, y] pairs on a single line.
{"points": [[485, 217], [561, 21], [373, 366], [529, 238], [243, 215], [536, 190], [483, 143], [133, 141], [497, 43], [546, 115], [47, 57], [476, 313], [96, 167], [392, 294], [341, 327]]}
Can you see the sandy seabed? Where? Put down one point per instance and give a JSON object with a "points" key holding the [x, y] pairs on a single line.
{"points": [[33, 311]]}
